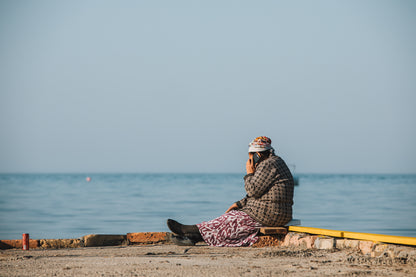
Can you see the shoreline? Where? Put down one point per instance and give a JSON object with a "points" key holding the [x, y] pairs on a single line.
{"points": [[200, 260], [152, 254]]}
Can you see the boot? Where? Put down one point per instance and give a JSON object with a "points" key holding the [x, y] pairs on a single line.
{"points": [[181, 229], [188, 231]]}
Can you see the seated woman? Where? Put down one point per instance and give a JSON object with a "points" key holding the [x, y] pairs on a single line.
{"points": [[269, 186]]}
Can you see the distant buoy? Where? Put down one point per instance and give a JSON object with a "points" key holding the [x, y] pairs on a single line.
{"points": [[88, 179]]}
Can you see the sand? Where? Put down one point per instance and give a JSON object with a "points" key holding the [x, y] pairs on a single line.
{"points": [[171, 260]]}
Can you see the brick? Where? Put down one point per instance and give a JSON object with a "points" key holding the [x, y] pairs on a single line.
{"points": [[272, 240], [17, 243], [60, 243], [147, 237], [366, 247], [104, 240]]}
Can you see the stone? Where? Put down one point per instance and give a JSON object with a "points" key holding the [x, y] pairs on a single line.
{"points": [[346, 243], [379, 250], [411, 259], [352, 243], [104, 240], [366, 247], [324, 243], [148, 237], [293, 239], [286, 241], [60, 243], [17, 243], [307, 242], [340, 243]]}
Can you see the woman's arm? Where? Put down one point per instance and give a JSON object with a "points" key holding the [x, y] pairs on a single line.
{"points": [[237, 205]]}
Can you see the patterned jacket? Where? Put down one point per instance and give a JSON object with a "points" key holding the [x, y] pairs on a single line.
{"points": [[269, 190]]}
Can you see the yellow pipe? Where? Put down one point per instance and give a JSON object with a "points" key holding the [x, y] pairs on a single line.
{"points": [[354, 235]]}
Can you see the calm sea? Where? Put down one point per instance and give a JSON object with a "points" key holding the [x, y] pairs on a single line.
{"points": [[67, 206]]}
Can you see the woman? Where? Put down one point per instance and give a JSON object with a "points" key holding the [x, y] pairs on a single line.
{"points": [[269, 186]]}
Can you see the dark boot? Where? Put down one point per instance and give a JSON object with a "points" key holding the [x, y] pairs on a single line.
{"points": [[188, 231], [194, 237], [181, 229]]}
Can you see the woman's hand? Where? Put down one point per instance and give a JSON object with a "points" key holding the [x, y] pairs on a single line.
{"points": [[232, 207], [250, 165]]}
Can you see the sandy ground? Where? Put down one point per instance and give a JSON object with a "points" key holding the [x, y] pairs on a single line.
{"points": [[171, 260]]}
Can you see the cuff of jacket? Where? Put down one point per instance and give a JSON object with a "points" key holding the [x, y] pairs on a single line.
{"points": [[248, 175]]}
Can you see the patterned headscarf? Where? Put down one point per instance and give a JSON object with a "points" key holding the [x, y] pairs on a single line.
{"points": [[260, 144]]}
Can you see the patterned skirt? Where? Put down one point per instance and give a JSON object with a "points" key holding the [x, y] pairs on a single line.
{"points": [[235, 228]]}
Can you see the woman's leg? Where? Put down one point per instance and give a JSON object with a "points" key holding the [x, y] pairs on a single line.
{"points": [[235, 228]]}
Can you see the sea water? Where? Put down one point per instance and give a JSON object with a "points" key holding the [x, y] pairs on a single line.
{"points": [[68, 206]]}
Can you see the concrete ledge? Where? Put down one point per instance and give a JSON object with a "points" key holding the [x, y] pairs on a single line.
{"points": [[17, 243], [148, 238], [370, 249], [60, 243], [104, 240]]}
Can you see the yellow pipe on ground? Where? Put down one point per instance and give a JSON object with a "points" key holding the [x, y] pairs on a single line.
{"points": [[354, 235]]}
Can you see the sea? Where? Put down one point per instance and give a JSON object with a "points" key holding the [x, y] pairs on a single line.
{"points": [[51, 206]]}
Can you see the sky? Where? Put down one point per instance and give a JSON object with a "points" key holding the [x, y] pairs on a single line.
{"points": [[184, 86]]}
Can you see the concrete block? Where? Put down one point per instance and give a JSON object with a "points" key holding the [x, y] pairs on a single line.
{"points": [[17, 243], [340, 243], [324, 243], [104, 240], [366, 247], [148, 237], [351, 243], [60, 243], [347, 243]]}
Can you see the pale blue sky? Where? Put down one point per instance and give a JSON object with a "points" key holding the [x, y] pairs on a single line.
{"points": [[184, 86]]}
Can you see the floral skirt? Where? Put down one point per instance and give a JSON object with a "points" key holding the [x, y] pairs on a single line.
{"points": [[235, 228]]}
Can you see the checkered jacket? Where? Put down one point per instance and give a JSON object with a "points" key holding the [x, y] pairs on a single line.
{"points": [[269, 190]]}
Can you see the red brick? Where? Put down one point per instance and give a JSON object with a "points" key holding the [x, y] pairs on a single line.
{"points": [[273, 240]]}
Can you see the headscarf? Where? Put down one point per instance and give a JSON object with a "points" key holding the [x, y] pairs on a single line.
{"points": [[260, 144]]}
